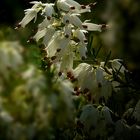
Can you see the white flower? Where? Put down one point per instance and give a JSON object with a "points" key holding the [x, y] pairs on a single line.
{"points": [[61, 4], [40, 34], [67, 5], [73, 3], [48, 10], [66, 19], [92, 27], [44, 24], [75, 20], [67, 63], [67, 31], [89, 117], [72, 6], [104, 87], [89, 82], [58, 41], [49, 33], [46, 34], [80, 35], [82, 50], [36, 3], [106, 113], [29, 15], [85, 75], [84, 8], [81, 70], [117, 66]]}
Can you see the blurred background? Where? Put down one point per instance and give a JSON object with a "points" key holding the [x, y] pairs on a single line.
{"points": [[122, 38]]}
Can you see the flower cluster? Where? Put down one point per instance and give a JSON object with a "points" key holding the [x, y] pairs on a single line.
{"points": [[92, 81], [62, 32]]}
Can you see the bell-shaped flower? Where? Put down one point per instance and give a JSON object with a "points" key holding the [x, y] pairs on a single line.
{"points": [[46, 34], [104, 87], [40, 34], [44, 24], [82, 50], [31, 14], [84, 9], [80, 35], [72, 6], [89, 117], [66, 19], [63, 5], [67, 62], [75, 20], [49, 34], [67, 31], [58, 41], [92, 26], [89, 81], [117, 66], [73, 3], [80, 70], [106, 114], [67, 5], [48, 10], [85, 75]]}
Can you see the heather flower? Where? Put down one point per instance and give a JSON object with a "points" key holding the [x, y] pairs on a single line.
{"points": [[117, 66], [92, 26], [58, 41], [45, 24], [48, 11], [72, 6], [31, 14], [62, 32]]}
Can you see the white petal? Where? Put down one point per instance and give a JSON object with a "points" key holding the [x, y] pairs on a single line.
{"points": [[49, 10], [53, 44], [80, 35], [86, 9], [50, 32], [106, 89], [35, 2], [73, 3], [44, 24], [89, 81], [92, 27], [66, 19], [68, 30], [117, 66], [107, 115], [28, 17], [57, 42], [75, 20], [83, 50], [67, 62], [99, 75], [40, 34], [61, 4]]}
